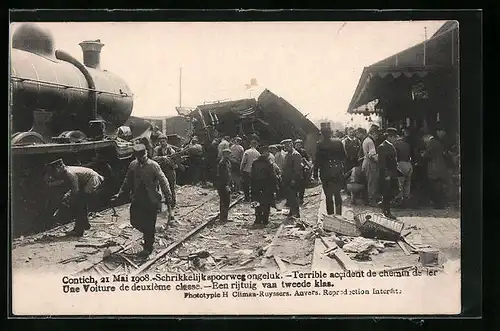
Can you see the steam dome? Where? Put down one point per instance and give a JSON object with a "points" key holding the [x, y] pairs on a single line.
{"points": [[33, 38]]}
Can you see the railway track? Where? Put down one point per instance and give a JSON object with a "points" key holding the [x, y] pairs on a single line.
{"points": [[231, 247], [122, 259]]}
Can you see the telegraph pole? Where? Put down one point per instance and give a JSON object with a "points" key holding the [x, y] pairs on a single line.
{"points": [[425, 42], [180, 87]]}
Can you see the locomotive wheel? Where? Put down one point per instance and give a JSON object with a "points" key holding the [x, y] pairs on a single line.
{"points": [[27, 138]]}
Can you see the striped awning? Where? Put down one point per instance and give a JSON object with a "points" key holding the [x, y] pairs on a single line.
{"points": [[365, 91]]}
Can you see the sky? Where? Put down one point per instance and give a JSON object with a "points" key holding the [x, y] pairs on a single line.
{"points": [[313, 65]]}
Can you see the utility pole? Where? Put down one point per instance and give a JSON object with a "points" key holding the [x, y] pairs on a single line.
{"points": [[425, 42], [180, 88]]}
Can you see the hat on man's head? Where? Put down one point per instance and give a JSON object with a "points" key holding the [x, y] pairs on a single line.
{"points": [[325, 125], [325, 128], [374, 127], [286, 141], [391, 132], [238, 138], [139, 149], [226, 151], [56, 163], [273, 146], [298, 141]]}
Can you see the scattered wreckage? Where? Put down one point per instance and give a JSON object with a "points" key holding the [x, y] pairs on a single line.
{"points": [[366, 234]]}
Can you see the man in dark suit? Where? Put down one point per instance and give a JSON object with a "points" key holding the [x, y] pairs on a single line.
{"points": [[329, 162], [388, 171], [306, 168], [437, 171], [352, 147], [224, 184], [264, 184]]}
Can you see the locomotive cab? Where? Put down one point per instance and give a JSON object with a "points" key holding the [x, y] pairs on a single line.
{"points": [[61, 108]]}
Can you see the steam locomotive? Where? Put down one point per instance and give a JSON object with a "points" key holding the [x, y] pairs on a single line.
{"points": [[61, 108]]}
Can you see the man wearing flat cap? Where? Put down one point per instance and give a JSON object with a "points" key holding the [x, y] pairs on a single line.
{"points": [[249, 157], [82, 182], [143, 178], [279, 156], [224, 144], [196, 160], [388, 171], [352, 147], [163, 156], [292, 175]]}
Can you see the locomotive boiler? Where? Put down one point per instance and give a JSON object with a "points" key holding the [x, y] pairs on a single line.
{"points": [[61, 108]]}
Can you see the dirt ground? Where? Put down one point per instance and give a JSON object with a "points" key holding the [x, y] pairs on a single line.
{"points": [[48, 250], [230, 247]]}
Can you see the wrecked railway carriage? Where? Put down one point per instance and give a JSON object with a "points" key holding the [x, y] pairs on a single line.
{"points": [[271, 117]]}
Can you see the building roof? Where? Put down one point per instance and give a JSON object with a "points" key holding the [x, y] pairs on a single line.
{"points": [[440, 52], [240, 106]]}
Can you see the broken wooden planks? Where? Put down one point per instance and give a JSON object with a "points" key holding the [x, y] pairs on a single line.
{"points": [[403, 247], [103, 245], [344, 261], [148, 264], [312, 194], [78, 258], [129, 261], [303, 261], [403, 239], [269, 248], [280, 263], [245, 262], [323, 261]]}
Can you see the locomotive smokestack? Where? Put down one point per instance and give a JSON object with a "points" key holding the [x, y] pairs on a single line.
{"points": [[92, 53]]}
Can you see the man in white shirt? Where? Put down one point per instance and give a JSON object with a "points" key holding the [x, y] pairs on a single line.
{"points": [[370, 164], [279, 156], [249, 157], [81, 184], [237, 152], [224, 144]]}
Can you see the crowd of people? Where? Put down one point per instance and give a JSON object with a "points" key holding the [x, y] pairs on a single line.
{"points": [[422, 174], [380, 167]]}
